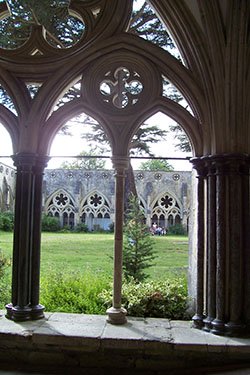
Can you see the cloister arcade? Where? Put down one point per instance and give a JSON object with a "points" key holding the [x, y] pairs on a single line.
{"points": [[108, 63]]}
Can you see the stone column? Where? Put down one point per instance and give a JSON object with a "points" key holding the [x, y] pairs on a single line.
{"points": [[211, 245], [245, 171], [38, 169], [26, 246], [235, 248], [199, 165], [117, 314]]}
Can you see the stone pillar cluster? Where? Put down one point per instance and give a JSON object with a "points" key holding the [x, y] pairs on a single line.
{"points": [[27, 238], [223, 244]]}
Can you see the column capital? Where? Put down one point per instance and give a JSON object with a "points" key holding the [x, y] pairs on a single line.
{"points": [[200, 166], [120, 162], [30, 160]]}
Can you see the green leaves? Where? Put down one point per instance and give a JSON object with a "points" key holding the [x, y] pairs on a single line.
{"points": [[138, 252]]}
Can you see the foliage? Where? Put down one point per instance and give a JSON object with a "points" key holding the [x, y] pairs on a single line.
{"points": [[50, 224], [145, 23], [177, 229], [85, 163], [158, 299], [74, 292], [5, 279], [111, 227], [138, 251], [81, 227], [62, 30], [156, 165], [184, 144], [6, 221], [4, 263]]}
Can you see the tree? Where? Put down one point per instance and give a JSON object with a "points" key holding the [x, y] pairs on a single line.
{"points": [[139, 146], [62, 30], [138, 252], [86, 162], [156, 165], [184, 144]]}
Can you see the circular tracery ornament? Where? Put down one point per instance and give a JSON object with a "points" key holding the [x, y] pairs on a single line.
{"points": [[121, 83], [122, 88]]}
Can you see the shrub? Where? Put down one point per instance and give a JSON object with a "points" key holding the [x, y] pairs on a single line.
{"points": [[50, 224], [81, 227], [164, 299], [5, 280], [138, 251], [177, 229], [7, 221], [111, 227], [74, 293]]}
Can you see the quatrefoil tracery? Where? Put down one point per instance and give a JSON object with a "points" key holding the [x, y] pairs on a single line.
{"points": [[121, 88]]}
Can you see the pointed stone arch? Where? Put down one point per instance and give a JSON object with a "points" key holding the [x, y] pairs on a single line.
{"points": [[95, 211], [166, 210], [61, 204]]}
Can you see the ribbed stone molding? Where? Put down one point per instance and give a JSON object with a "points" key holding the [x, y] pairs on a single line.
{"points": [[27, 238], [117, 314], [223, 252]]}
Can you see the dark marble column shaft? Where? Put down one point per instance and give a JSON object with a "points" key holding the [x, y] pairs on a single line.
{"points": [[26, 245]]}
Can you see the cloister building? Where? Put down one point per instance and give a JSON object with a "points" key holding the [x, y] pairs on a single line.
{"points": [[121, 78], [76, 196]]}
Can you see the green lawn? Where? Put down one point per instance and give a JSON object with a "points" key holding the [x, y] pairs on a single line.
{"points": [[93, 252]]}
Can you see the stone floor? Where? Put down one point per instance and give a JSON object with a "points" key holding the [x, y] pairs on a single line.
{"points": [[86, 344]]}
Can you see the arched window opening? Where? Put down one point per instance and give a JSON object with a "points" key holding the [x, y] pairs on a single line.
{"points": [[95, 212], [145, 23], [6, 100], [61, 205]]}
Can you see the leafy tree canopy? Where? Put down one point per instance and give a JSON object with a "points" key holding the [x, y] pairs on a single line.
{"points": [[85, 162], [62, 30], [156, 165]]}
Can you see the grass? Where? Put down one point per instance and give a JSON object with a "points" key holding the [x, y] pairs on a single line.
{"points": [[70, 252]]}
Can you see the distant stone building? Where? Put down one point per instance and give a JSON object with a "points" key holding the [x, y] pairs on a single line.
{"points": [[7, 187], [77, 196], [81, 196]]}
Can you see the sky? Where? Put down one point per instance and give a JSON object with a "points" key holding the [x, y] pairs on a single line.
{"points": [[73, 145]]}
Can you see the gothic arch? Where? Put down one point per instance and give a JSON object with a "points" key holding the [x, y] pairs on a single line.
{"points": [[95, 211], [62, 205], [181, 78], [165, 209]]}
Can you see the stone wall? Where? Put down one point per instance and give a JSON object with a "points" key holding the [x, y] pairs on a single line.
{"points": [[77, 196], [88, 196], [7, 187]]}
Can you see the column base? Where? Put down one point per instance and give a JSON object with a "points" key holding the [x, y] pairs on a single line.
{"points": [[218, 327], [117, 315], [198, 321], [208, 324], [235, 329], [20, 314]]}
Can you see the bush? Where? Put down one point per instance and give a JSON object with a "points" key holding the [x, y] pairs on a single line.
{"points": [[50, 224], [81, 228], [6, 221], [138, 250], [177, 229], [156, 299], [5, 280], [74, 293], [111, 227]]}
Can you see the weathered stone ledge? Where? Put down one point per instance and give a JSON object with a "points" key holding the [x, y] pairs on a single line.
{"points": [[149, 346]]}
